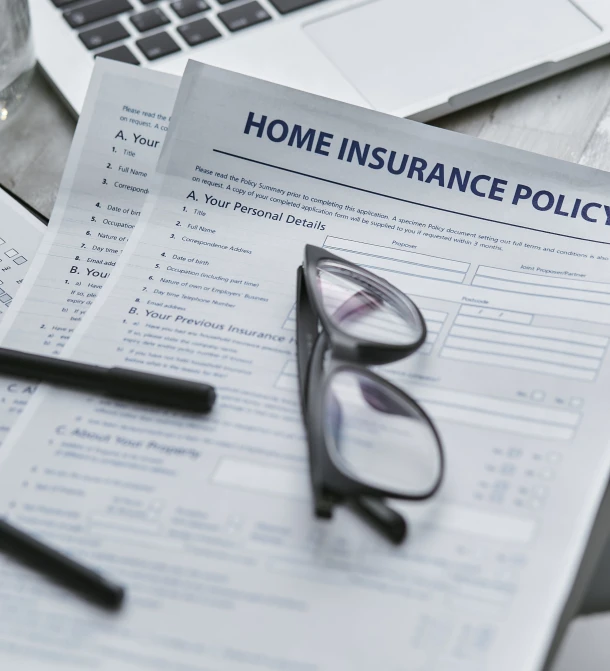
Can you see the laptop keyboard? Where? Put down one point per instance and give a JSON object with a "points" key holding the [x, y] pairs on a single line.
{"points": [[135, 31]]}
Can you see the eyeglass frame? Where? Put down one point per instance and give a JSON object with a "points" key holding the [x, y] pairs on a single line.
{"points": [[331, 481]]}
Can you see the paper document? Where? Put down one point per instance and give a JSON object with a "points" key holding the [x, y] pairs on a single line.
{"points": [[111, 161], [113, 155], [20, 237], [209, 520]]}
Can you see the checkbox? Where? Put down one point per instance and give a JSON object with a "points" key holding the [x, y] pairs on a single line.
{"points": [[19, 260], [11, 252]]}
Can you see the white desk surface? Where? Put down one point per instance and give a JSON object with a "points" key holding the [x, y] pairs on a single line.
{"points": [[567, 117]]}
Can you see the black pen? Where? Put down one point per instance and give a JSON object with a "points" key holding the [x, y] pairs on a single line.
{"points": [[118, 382], [61, 568]]}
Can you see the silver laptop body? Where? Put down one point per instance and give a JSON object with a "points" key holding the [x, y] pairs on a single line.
{"points": [[412, 58]]}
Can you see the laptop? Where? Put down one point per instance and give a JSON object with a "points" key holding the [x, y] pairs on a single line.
{"points": [[413, 58]]}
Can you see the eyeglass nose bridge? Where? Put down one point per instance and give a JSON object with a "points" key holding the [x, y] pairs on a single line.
{"points": [[342, 346]]}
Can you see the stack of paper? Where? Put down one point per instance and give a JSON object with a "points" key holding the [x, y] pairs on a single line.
{"points": [[186, 267]]}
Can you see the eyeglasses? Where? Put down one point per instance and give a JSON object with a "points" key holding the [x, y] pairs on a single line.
{"points": [[368, 439]]}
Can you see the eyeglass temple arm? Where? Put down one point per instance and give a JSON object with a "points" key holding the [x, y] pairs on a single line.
{"points": [[374, 511], [307, 333], [381, 517]]}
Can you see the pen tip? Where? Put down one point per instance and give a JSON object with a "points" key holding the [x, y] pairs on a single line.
{"points": [[114, 595]]}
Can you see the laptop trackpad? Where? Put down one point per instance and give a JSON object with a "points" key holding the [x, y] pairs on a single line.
{"points": [[398, 52]]}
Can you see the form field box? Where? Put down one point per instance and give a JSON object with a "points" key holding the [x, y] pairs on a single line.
{"points": [[517, 350], [495, 313], [535, 342], [498, 413], [463, 519], [541, 285], [262, 478], [498, 423], [389, 259], [563, 335], [498, 406], [519, 364], [132, 525], [432, 316], [493, 340]]}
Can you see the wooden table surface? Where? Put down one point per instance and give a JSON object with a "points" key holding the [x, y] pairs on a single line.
{"points": [[566, 117]]}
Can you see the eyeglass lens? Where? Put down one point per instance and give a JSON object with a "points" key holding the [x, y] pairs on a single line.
{"points": [[382, 438], [364, 308]]}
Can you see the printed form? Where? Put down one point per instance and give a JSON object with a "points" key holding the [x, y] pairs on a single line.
{"points": [[20, 236], [113, 155], [208, 520]]}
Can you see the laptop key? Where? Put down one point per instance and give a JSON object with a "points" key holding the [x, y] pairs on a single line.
{"points": [[63, 3], [286, 6], [121, 53], [224, 2], [96, 11], [152, 18], [244, 16], [157, 45], [103, 35], [198, 32], [186, 8]]}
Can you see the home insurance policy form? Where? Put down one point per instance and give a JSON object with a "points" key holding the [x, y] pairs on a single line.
{"points": [[208, 520]]}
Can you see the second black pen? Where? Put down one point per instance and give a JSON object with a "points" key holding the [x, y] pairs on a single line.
{"points": [[117, 382]]}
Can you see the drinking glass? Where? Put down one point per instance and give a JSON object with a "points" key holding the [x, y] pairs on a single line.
{"points": [[17, 58]]}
